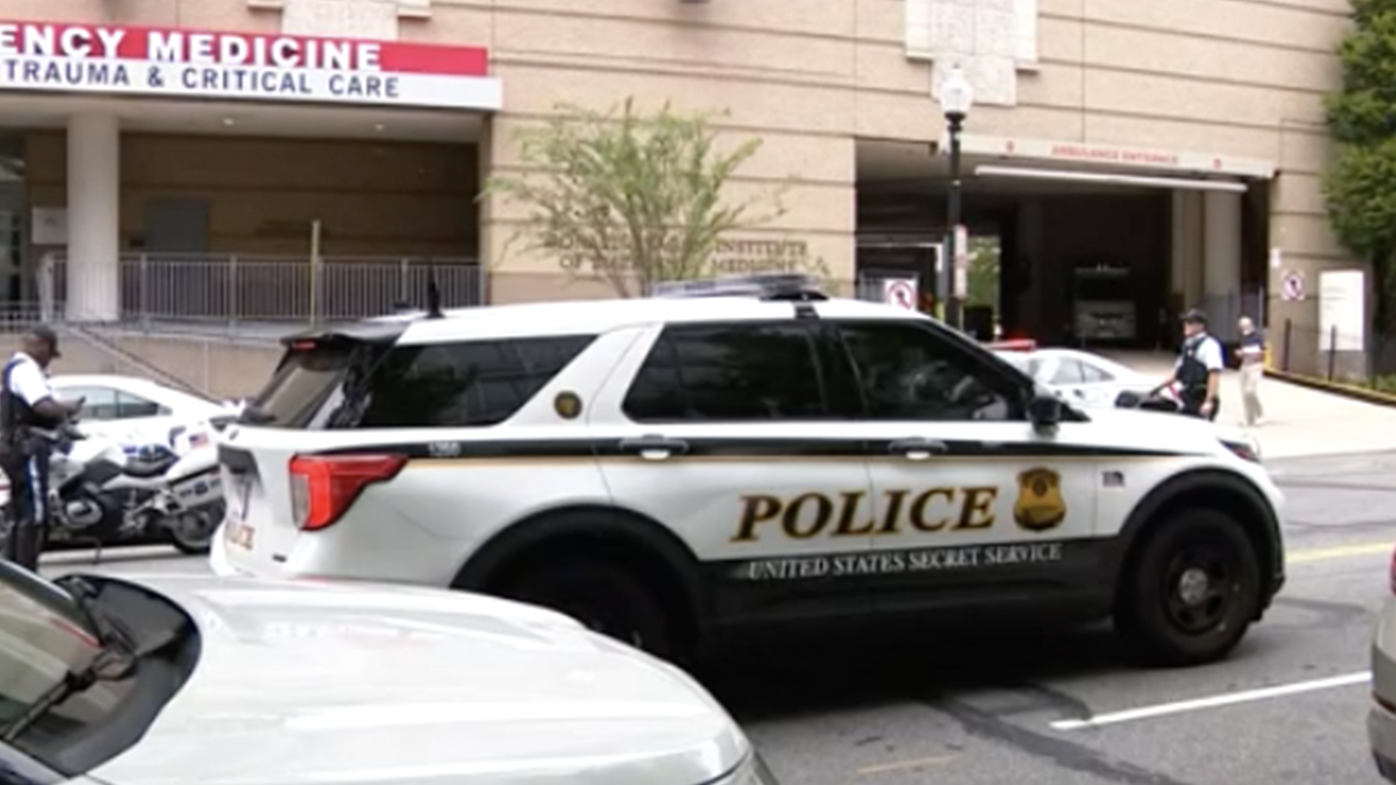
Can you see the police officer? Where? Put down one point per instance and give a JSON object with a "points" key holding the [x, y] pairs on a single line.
{"points": [[27, 402], [1198, 369]]}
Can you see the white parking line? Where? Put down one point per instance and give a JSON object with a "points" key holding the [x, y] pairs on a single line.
{"points": [[1214, 701]]}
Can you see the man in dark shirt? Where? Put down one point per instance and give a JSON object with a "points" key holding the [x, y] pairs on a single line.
{"points": [[27, 402], [1252, 370]]}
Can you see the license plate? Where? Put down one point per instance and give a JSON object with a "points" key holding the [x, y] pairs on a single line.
{"points": [[240, 535]]}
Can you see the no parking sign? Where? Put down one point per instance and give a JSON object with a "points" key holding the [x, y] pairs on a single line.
{"points": [[900, 292], [1292, 286]]}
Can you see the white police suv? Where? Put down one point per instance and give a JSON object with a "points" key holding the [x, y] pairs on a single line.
{"points": [[736, 453]]}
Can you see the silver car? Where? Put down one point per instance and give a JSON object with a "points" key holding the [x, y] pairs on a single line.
{"points": [[173, 679], [1381, 721]]}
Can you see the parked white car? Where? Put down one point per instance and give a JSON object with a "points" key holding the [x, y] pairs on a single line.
{"points": [[169, 679], [132, 410], [1082, 378]]}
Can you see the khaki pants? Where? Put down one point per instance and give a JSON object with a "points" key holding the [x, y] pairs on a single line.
{"points": [[1251, 374]]}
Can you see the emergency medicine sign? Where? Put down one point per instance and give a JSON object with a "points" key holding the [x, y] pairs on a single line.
{"points": [[177, 63]]}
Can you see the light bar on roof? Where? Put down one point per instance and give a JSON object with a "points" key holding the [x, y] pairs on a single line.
{"points": [[767, 285]]}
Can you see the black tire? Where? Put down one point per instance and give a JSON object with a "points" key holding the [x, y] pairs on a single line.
{"points": [[606, 597], [1171, 617], [196, 539]]}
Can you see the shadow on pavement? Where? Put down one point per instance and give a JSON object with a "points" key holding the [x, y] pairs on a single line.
{"points": [[818, 673]]}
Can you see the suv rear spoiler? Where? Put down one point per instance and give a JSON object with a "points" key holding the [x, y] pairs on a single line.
{"points": [[361, 332]]}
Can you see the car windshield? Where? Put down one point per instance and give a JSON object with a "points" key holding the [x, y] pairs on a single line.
{"points": [[44, 636]]}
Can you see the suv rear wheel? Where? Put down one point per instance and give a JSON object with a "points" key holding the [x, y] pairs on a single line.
{"points": [[606, 597], [1193, 590]]}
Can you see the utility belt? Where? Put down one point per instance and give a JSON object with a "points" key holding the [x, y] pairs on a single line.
{"points": [[22, 443], [1193, 392]]}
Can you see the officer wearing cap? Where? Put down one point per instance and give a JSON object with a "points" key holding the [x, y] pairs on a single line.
{"points": [[1198, 369], [27, 402]]}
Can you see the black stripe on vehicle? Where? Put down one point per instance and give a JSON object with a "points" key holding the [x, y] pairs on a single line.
{"points": [[1043, 450], [731, 448]]}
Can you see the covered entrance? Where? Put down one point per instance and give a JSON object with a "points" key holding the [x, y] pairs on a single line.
{"points": [[1078, 245]]}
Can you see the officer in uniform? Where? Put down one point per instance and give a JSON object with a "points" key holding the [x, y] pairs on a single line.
{"points": [[1198, 369], [27, 402]]}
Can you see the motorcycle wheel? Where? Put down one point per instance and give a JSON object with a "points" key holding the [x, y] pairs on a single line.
{"points": [[192, 532]]}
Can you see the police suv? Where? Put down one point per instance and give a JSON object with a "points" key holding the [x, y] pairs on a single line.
{"points": [[741, 452]]}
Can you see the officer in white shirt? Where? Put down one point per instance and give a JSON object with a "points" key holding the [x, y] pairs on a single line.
{"points": [[1198, 369], [27, 402]]}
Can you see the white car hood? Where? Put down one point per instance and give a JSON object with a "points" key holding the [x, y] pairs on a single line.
{"points": [[1161, 430], [308, 682]]}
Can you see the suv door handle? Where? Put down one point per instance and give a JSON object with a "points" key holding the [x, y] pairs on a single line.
{"points": [[917, 449], [654, 448]]}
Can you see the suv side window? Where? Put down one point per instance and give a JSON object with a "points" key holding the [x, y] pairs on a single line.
{"points": [[907, 372], [735, 372], [469, 383]]}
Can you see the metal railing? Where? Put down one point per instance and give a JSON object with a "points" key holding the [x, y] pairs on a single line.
{"points": [[238, 288]]}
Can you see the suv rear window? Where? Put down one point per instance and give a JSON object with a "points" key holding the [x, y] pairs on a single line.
{"points": [[302, 383], [470, 383], [352, 384]]}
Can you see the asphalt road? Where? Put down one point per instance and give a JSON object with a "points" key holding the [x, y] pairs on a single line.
{"points": [[923, 709]]}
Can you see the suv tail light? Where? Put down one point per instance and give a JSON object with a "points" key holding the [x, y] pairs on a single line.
{"points": [[323, 487]]}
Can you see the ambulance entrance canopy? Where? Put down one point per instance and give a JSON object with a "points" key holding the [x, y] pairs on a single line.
{"points": [[95, 81], [1144, 231]]}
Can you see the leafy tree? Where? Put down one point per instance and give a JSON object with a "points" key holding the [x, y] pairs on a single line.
{"points": [[1360, 185], [630, 198], [982, 278]]}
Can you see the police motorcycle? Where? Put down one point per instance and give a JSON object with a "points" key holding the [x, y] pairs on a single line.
{"points": [[192, 504], [104, 493]]}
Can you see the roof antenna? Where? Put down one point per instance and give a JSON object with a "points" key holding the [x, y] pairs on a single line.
{"points": [[433, 293]]}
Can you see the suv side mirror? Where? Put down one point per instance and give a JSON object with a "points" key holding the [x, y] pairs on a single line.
{"points": [[1045, 411]]}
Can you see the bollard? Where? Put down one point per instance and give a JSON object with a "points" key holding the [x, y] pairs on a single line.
{"points": [[1332, 350]]}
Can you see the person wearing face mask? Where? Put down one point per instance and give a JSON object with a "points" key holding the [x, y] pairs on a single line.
{"points": [[1198, 368]]}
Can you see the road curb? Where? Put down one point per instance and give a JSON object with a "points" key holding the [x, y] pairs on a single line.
{"points": [[1337, 388]]}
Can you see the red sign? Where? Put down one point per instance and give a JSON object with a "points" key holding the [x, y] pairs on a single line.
{"points": [[1112, 155], [191, 47], [177, 62]]}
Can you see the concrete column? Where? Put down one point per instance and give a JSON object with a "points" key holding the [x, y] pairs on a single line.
{"points": [[1221, 272], [1187, 249], [94, 210]]}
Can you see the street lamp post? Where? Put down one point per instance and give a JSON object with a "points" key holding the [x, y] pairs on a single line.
{"points": [[956, 99]]}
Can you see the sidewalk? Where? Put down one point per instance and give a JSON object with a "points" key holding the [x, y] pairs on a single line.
{"points": [[1299, 422]]}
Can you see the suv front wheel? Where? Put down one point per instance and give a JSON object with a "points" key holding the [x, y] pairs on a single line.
{"points": [[1193, 590], [604, 596]]}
